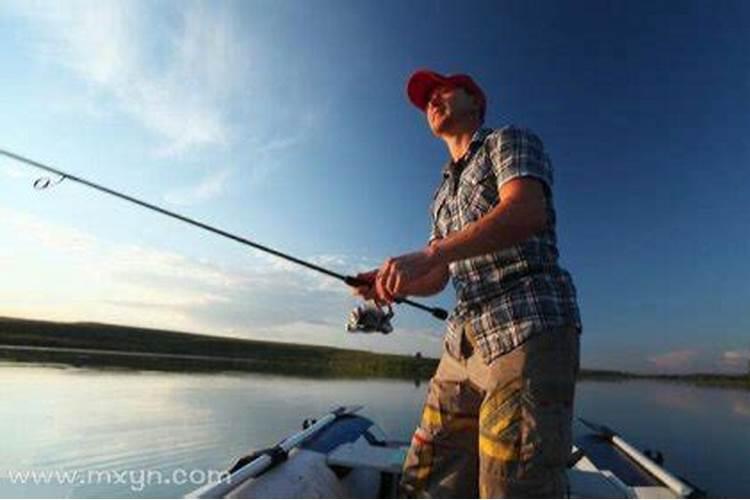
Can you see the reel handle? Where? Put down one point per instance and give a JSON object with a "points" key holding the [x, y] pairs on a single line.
{"points": [[437, 312]]}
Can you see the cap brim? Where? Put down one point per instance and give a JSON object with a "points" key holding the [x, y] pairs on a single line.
{"points": [[420, 86]]}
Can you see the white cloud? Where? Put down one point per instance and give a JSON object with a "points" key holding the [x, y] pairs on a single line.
{"points": [[279, 144], [739, 355], [736, 359], [55, 237], [674, 359], [106, 273], [13, 171], [177, 86], [62, 273], [292, 137], [268, 154], [133, 261], [210, 187]]}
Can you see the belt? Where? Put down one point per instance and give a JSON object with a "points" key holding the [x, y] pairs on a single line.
{"points": [[470, 334], [468, 340]]}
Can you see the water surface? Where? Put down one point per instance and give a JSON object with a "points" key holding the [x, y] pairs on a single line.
{"points": [[63, 419]]}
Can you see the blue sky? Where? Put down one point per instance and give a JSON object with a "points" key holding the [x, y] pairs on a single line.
{"points": [[287, 122]]}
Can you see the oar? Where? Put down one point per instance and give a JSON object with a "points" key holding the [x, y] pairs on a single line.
{"points": [[676, 485], [269, 457]]}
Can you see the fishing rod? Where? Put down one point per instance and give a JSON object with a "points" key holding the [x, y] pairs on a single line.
{"points": [[44, 183]]}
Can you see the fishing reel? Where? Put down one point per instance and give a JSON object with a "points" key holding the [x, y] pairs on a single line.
{"points": [[370, 318]]}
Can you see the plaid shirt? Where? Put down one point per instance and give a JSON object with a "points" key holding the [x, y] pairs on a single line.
{"points": [[511, 294]]}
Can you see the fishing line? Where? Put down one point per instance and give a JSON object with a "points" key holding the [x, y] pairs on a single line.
{"points": [[45, 182]]}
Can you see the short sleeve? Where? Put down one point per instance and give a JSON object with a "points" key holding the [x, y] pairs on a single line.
{"points": [[518, 152], [435, 233], [437, 202]]}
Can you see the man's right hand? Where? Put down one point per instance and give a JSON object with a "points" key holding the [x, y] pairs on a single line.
{"points": [[368, 291]]}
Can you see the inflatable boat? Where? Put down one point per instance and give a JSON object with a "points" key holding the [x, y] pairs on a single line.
{"points": [[345, 455]]}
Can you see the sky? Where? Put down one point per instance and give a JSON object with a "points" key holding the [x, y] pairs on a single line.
{"points": [[286, 122]]}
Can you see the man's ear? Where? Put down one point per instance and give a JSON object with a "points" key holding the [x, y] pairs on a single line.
{"points": [[477, 108]]}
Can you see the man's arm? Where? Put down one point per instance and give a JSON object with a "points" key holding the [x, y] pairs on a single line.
{"points": [[522, 170], [520, 213], [431, 283]]}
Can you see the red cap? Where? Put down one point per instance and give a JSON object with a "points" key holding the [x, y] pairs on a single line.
{"points": [[423, 82]]}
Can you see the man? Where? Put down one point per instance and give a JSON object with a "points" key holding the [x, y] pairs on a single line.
{"points": [[498, 415]]}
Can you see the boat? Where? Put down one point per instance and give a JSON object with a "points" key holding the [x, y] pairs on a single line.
{"points": [[344, 454]]}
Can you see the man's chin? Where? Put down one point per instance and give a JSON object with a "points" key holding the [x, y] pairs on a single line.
{"points": [[440, 127]]}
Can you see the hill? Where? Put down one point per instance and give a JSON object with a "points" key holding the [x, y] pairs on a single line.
{"points": [[104, 345]]}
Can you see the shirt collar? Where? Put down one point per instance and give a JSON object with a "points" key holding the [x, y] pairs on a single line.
{"points": [[476, 140]]}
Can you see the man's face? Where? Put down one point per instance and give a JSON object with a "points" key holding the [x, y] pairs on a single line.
{"points": [[448, 107]]}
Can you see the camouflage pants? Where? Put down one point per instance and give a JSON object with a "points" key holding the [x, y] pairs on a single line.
{"points": [[497, 431]]}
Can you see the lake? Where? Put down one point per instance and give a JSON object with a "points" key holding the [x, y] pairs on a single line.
{"points": [[112, 428]]}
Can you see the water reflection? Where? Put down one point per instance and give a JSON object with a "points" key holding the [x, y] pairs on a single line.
{"points": [[684, 398], [741, 406], [81, 419], [699, 399], [84, 419], [701, 430]]}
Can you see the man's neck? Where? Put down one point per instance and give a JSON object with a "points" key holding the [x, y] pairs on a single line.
{"points": [[458, 142]]}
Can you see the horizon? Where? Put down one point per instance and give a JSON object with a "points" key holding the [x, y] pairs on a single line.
{"points": [[288, 124], [417, 354]]}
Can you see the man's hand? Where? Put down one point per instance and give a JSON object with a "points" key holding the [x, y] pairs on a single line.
{"points": [[368, 291], [397, 275], [421, 273]]}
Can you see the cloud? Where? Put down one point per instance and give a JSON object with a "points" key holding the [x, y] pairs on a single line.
{"points": [[210, 187], [122, 275], [279, 144], [736, 359], [177, 85], [71, 275], [674, 359], [56, 237], [306, 123], [737, 356], [13, 171], [268, 155], [141, 265]]}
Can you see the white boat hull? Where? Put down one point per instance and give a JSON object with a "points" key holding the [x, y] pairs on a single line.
{"points": [[349, 458]]}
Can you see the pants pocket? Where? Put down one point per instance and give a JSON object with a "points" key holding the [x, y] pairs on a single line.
{"points": [[442, 458]]}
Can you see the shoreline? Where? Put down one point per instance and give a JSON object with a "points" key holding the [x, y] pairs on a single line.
{"points": [[102, 346], [113, 346]]}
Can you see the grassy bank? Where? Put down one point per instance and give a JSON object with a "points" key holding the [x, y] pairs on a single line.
{"points": [[100, 345], [111, 346]]}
